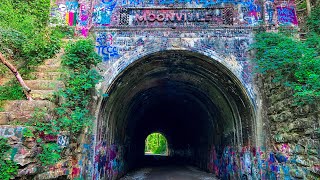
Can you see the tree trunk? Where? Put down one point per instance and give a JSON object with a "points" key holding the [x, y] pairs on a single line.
{"points": [[308, 7], [14, 70]]}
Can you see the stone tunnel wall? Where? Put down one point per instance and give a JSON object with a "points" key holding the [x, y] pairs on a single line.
{"points": [[292, 131]]}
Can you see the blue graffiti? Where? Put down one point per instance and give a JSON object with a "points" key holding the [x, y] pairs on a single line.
{"points": [[102, 13], [72, 6], [107, 52]]}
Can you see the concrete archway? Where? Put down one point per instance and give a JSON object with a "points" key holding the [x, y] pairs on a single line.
{"points": [[198, 103]]}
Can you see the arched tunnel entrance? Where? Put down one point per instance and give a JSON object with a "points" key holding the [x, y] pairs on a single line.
{"points": [[193, 100]]}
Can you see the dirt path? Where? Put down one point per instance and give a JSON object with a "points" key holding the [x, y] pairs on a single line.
{"points": [[169, 173]]}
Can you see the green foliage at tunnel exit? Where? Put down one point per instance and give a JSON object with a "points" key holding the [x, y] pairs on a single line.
{"points": [[8, 168], [293, 62], [156, 143]]}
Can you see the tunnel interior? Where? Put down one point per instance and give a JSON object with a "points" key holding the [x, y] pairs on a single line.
{"points": [[193, 100]]}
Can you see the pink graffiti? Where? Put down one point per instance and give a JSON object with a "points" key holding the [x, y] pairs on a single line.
{"points": [[47, 137]]}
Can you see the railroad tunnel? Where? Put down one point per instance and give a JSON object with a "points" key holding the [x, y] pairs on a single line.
{"points": [[192, 99]]}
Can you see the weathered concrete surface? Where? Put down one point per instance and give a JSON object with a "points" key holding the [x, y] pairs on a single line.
{"points": [[171, 172]]}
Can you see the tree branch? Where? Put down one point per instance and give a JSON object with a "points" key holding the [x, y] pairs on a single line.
{"points": [[14, 70]]}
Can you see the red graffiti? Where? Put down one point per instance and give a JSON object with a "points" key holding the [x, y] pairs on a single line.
{"points": [[48, 137], [75, 172]]}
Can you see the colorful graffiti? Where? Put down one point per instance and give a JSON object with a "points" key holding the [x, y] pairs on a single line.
{"points": [[107, 161], [177, 17], [228, 46], [254, 163], [287, 15], [162, 13], [105, 46], [65, 13], [71, 12], [83, 22], [103, 11], [10, 131], [59, 169]]}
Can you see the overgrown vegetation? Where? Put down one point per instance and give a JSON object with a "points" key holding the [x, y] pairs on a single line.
{"points": [[25, 38], [80, 58], [302, 12], [72, 115], [156, 143], [10, 91], [50, 154], [8, 167], [291, 61], [313, 22]]}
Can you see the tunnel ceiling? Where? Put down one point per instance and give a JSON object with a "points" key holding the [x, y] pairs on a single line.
{"points": [[192, 99]]}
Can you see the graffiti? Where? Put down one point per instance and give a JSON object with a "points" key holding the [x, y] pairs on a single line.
{"points": [[71, 13], [59, 169], [249, 13], [287, 16], [102, 13], [161, 18], [65, 13], [269, 11], [107, 161], [85, 163], [254, 163], [63, 140], [203, 3], [228, 45], [9, 131], [48, 137], [105, 47], [83, 21], [186, 13]]}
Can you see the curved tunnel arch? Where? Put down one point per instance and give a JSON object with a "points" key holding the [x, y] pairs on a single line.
{"points": [[194, 100]]}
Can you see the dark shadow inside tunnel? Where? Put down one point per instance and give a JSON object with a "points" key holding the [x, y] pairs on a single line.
{"points": [[193, 100]]}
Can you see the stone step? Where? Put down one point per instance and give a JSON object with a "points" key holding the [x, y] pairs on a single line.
{"points": [[44, 84], [15, 116], [46, 75], [56, 60], [21, 117], [25, 105], [4, 118], [48, 68], [42, 94]]}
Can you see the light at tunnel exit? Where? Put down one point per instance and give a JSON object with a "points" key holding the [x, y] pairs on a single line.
{"points": [[156, 144]]}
